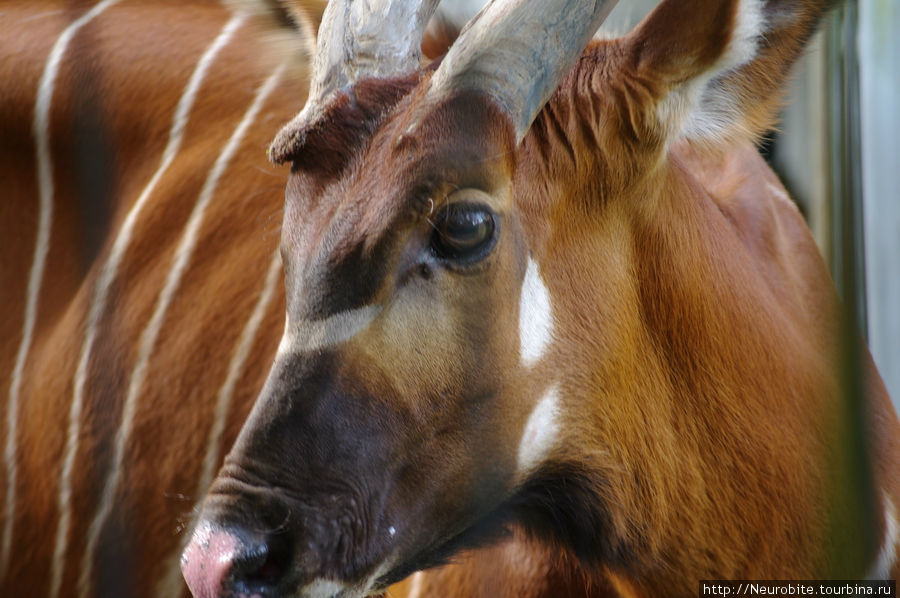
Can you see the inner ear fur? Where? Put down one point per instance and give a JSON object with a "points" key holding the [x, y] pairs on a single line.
{"points": [[715, 71]]}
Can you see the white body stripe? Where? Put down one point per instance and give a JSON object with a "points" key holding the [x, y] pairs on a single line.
{"points": [[101, 291], [312, 335], [151, 332], [44, 161], [171, 584], [535, 317], [235, 369], [540, 433], [887, 557]]}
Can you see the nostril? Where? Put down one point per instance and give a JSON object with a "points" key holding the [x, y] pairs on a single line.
{"points": [[220, 562], [262, 566]]}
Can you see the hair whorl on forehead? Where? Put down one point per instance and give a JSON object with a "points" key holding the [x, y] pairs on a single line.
{"points": [[324, 147], [356, 41]]}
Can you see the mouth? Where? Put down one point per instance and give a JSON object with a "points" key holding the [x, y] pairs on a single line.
{"points": [[225, 558]]}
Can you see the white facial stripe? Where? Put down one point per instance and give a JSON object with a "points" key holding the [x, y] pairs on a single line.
{"points": [[535, 317], [888, 555], [312, 335], [540, 432]]}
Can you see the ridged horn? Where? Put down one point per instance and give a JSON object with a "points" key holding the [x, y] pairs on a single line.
{"points": [[517, 51], [357, 39]]}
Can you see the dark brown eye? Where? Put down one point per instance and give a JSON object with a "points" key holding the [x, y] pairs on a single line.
{"points": [[463, 233]]}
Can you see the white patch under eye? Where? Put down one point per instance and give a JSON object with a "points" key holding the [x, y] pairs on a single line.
{"points": [[312, 335], [535, 317], [540, 432]]}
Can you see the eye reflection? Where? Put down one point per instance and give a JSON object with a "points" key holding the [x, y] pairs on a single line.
{"points": [[463, 233]]}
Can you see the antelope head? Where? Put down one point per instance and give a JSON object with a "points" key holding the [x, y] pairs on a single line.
{"points": [[479, 280]]}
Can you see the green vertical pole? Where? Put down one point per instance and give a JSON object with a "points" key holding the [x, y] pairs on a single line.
{"points": [[852, 514]]}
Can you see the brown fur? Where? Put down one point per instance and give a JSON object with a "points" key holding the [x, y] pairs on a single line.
{"points": [[706, 454], [691, 248], [124, 74]]}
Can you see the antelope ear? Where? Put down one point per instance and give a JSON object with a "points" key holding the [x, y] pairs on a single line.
{"points": [[440, 34], [716, 69]]}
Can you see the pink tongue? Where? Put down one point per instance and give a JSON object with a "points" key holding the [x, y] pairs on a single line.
{"points": [[207, 561]]}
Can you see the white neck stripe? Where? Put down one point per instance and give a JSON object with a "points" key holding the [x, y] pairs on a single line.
{"points": [[540, 433], [535, 317]]}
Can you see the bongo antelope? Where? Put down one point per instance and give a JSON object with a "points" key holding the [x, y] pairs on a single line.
{"points": [[547, 285]]}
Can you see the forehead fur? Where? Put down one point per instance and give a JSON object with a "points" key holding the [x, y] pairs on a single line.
{"points": [[365, 179], [383, 118], [322, 149], [378, 158]]}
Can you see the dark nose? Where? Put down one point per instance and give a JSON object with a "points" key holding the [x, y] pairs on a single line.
{"points": [[223, 562]]}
